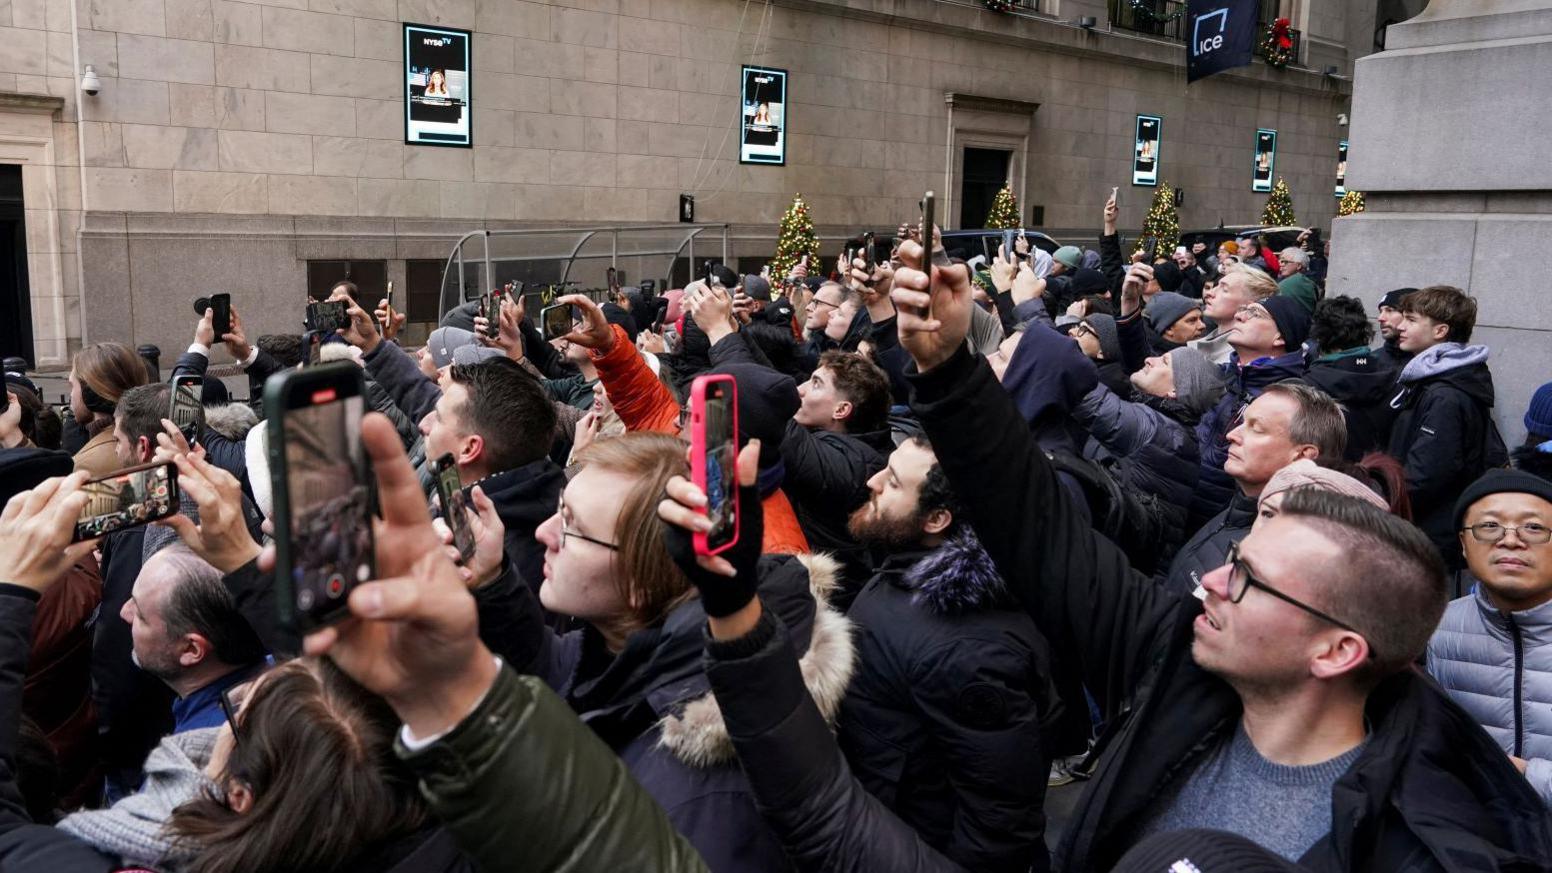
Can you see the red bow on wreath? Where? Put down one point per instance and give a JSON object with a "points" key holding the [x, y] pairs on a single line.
{"points": [[1280, 32]]}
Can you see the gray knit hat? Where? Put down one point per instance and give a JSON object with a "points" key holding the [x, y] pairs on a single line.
{"points": [[444, 340], [1198, 381], [1104, 327], [1166, 308]]}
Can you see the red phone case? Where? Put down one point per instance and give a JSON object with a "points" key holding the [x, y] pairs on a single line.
{"points": [[698, 391]]}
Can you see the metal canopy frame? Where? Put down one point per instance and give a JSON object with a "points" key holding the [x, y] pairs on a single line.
{"points": [[457, 259]]}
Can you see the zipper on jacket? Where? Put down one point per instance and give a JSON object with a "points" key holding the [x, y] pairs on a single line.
{"points": [[1519, 678]]}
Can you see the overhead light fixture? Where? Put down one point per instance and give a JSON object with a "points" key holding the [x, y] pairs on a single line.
{"points": [[1088, 22]]}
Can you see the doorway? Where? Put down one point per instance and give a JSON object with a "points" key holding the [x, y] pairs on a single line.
{"points": [[985, 172], [15, 303]]}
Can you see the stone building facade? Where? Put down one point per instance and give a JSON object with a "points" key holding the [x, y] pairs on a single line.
{"points": [[232, 144]]}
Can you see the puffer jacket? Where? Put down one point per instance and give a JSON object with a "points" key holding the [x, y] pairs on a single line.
{"points": [[651, 702], [1498, 666], [946, 721], [1209, 546], [1244, 384]]}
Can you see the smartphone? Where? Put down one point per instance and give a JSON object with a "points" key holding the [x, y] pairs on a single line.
{"points": [[492, 313], [128, 498], [455, 505], [1150, 249], [1007, 246], [221, 316], [1115, 191], [555, 321], [388, 295], [187, 392], [322, 490], [706, 272], [927, 204], [869, 256], [714, 458], [324, 316]]}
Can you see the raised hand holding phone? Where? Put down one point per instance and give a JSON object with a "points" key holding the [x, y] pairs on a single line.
{"points": [[713, 449], [36, 528], [594, 332], [931, 337], [727, 582]]}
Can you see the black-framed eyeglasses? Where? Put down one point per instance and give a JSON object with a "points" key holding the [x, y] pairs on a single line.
{"points": [[1242, 580], [560, 507], [1531, 533], [229, 709]]}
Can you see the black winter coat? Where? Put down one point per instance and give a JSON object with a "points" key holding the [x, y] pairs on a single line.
{"points": [[826, 479], [1429, 792], [945, 720], [524, 498], [1209, 546], [1445, 438], [1363, 384]]}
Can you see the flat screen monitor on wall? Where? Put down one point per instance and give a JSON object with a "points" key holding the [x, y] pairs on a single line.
{"points": [[1266, 160], [763, 116], [1145, 150], [437, 87]]}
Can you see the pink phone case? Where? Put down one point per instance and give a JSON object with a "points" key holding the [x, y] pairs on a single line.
{"points": [[698, 391]]}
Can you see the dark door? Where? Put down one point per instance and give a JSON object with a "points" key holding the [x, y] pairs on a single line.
{"points": [[986, 171], [15, 305]]}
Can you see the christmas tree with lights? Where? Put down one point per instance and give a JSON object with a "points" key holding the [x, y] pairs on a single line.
{"points": [[1162, 223], [796, 239], [1352, 204], [1005, 211], [1279, 207]]}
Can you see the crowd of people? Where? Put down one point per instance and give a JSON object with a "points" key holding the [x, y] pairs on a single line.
{"points": [[1174, 528]]}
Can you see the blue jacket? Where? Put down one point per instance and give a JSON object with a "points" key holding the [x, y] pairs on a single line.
{"points": [[1245, 384]]}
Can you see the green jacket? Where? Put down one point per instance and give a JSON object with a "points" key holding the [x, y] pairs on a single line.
{"points": [[1301, 288], [523, 785]]}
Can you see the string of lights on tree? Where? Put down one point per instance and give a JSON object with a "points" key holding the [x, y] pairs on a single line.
{"points": [[1162, 223], [1279, 206], [1005, 211], [1144, 9], [1277, 44], [795, 239], [1350, 204], [999, 5]]}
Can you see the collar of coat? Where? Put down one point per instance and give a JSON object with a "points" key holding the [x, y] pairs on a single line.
{"points": [[956, 577], [696, 733]]}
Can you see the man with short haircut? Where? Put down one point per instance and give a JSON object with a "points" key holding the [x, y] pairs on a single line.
{"points": [[1354, 376], [1283, 706], [1239, 287], [1390, 328], [1493, 651], [1444, 434], [188, 633], [1293, 280], [1268, 347], [1286, 422], [946, 719]]}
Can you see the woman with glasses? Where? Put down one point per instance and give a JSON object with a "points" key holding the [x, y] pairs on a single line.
{"points": [[633, 670]]}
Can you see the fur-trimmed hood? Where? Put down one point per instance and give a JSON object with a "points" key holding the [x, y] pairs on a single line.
{"points": [[695, 732], [958, 577], [231, 420]]}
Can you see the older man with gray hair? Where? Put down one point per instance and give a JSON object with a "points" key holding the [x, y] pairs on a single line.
{"points": [[1293, 280]]}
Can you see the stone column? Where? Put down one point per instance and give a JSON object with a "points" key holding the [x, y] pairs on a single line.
{"points": [[1447, 146]]}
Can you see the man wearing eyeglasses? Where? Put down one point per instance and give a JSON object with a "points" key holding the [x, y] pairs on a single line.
{"points": [[1493, 650]]}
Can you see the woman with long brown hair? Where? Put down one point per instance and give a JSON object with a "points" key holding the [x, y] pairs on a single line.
{"points": [[99, 375]]}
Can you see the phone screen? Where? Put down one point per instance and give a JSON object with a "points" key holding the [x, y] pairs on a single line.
{"points": [[556, 320], [186, 391], [328, 502], [454, 505], [128, 498], [326, 316], [221, 317], [493, 314], [721, 473]]}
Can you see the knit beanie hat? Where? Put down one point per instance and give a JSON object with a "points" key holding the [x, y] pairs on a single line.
{"points": [[1070, 257], [1104, 327], [1198, 381], [1166, 308], [1085, 282], [1393, 298], [1168, 275], [463, 356], [1229, 246], [757, 288], [444, 341], [1500, 481], [1305, 473], [1201, 851], [1538, 416], [1291, 318]]}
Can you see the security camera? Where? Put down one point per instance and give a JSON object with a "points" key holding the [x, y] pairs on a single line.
{"points": [[1341, 119], [89, 81]]}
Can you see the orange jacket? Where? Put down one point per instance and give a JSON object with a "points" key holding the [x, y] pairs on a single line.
{"points": [[641, 401], [783, 536]]}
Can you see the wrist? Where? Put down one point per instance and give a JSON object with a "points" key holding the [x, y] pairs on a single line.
{"points": [[370, 343], [719, 332], [236, 558], [436, 707]]}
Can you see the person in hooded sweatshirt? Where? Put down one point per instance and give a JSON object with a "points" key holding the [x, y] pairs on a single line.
{"points": [[1444, 434], [1348, 370], [946, 720], [1389, 320]]}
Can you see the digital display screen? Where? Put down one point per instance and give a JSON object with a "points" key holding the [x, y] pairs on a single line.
{"points": [[1341, 168], [126, 500], [1266, 160], [437, 83], [1145, 153], [721, 470], [330, 505], [763, 117], [186, 404]]}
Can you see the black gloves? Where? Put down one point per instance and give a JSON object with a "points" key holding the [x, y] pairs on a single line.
{"points": [[722, 596]]}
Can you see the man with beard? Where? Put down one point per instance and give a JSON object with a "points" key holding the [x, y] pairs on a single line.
{"points": [[188, 633], [946, 720], [1390, 351]]}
